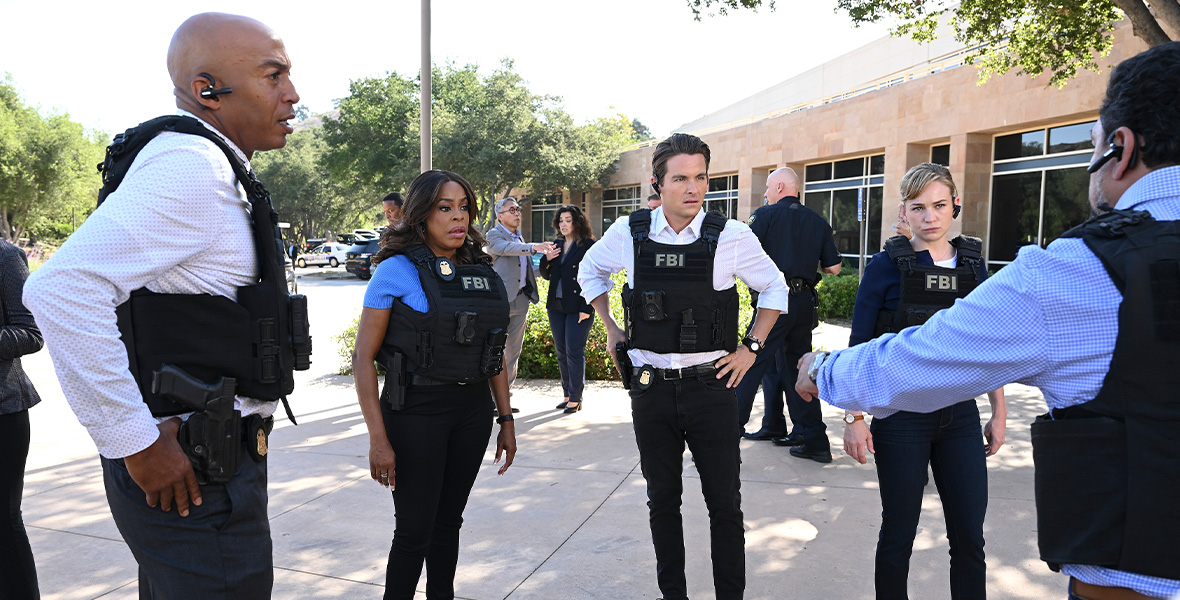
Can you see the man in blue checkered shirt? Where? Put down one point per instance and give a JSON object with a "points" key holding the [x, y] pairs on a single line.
{"points": [[1051, 319]]}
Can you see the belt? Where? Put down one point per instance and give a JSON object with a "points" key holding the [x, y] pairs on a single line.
{"points": [[681, 373], [1089, 591], [798, 284], [417, 380]]}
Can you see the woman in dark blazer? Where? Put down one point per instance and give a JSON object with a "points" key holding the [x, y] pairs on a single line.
{"points": [[18, 336], [570, 316]]}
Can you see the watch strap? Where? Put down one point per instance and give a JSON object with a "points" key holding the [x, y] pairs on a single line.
{"points": [[505, 418]]}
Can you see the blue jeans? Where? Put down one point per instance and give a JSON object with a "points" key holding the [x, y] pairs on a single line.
{"points": [[951, 442], [569, 338], [700, 412]]}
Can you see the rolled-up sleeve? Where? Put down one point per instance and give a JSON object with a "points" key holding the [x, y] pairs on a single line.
{"points": [[749, 262], [606, 257]]}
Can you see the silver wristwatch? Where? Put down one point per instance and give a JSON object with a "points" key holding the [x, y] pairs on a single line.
{"points": [[813, 371]]}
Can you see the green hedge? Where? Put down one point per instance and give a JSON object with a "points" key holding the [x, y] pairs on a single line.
{"points": [[538, 358]]}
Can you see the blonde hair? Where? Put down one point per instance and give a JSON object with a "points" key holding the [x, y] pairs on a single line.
{"points": [[920, 176]]}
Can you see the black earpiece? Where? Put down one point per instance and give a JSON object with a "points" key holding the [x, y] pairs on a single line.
{"points": [[209, 93], [1115, 151], [957, 209], [655, 185]]}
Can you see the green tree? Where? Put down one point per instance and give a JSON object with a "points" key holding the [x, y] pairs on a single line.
{"points": [[1029, 36], [641, 132], [303, 193], [47, 169], [372, 145]]}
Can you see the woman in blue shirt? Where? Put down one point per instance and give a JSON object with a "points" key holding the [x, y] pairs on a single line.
{"points": [[570, 316], [950, 441], [427, 437]]}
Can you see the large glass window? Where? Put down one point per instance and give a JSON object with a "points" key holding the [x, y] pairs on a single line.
{"points": [[1039, 187], [617, 202], [941, 155], [542, 212], [722, 195], [837, 189]]}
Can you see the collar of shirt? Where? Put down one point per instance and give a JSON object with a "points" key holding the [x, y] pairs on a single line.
{"points": [[662, 232], [232, 145], [1160, 184]]}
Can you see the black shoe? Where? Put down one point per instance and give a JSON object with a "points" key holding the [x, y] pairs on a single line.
{"points": [[819, 457], [573, 409], [515, 410], [795, 439], [562, 405], [762, 435]]}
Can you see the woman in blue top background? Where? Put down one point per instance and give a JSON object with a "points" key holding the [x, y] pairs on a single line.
{"points": [[429, 452], [570, 316], [904, 443]]}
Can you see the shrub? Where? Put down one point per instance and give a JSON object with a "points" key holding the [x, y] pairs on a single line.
{"points": [[837, 295]]}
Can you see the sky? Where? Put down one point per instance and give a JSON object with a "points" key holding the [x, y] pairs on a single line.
{"points": [[103, 62]]}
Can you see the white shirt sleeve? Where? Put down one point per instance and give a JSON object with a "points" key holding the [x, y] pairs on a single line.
{"points": [[744, 258], [157, 230], [611, 254]]}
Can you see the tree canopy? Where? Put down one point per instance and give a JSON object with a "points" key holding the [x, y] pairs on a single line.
{"points": [[1029, 36], [491, 129], [47, 169]]}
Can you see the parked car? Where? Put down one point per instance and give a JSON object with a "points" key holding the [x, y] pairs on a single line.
{"points": [[359, 258], [330, 254]]}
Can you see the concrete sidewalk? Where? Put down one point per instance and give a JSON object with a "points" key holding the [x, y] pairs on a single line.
{"points": [[567, 522]]}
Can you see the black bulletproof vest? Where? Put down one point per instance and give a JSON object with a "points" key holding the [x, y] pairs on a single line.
{"points": [[1108, 471], [674, 308], [461, 337], [259, 340], [927, 289]]}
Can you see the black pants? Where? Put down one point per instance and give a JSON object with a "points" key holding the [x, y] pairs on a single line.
{"points": [[789, 340], [950, 440], [18, 574], [700, 412], [438, 440], [220, 551]]}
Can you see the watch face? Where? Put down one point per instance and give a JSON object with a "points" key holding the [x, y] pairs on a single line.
{"points": [[850, 419]]}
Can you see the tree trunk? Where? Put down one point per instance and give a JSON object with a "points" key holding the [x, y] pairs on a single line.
{"points": [[1167, 12], [1143, 23]]}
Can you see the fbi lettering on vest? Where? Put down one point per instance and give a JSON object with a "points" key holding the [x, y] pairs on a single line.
{"points": [[670, 259], [476, 284], [942, 283]]}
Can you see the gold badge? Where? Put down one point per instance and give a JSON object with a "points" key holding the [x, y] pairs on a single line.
{"points": [[445, 269], [750, 221], [645, 377], [260, 435]]}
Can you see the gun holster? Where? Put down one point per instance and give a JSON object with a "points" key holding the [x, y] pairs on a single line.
{"points": [[625, 367], [394, 391], [213, 445]]}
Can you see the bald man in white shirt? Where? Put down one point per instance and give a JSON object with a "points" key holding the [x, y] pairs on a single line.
{"points": [[179, 197]]}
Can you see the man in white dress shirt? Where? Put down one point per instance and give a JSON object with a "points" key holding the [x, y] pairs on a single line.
{"points": [[179, 198], [682, 334]]}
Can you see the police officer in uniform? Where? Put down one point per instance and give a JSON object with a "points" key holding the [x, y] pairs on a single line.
{"points": [[799, 241], [682, 358], [1092, 321], [436, 317], [902, 287], [154, 335]]}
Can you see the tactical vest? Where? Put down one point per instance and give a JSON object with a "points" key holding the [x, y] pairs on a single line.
{"points": [[927, 289], [1108, 471], [674, 308], [259, 340], [460, 338]]}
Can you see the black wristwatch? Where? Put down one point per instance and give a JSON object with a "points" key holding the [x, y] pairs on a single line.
{"points": [[502, 419], [752, 343]]}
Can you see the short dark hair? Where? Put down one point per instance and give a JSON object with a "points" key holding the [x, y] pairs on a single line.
{"points": [[653, 197], [395, 198], [581, 225], [1142, 95], [676, 144]]}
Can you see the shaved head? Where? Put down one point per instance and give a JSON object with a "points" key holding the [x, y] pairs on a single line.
{"points": [[782, 183], [248, 59]]}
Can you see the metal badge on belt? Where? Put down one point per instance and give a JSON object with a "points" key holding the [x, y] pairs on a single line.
{"points": [[646, 376], [257, 432]]}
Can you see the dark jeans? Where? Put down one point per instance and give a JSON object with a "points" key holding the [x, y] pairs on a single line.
{"points": [[569, 338], [789, 339], [699, 412], [18, 574], [438, 439], [221, 550], [951, 442]]}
